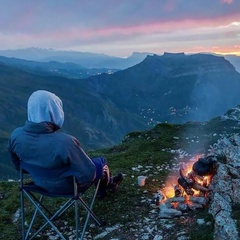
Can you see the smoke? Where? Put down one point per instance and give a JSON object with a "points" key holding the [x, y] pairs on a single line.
{"points": [[206, 102]]}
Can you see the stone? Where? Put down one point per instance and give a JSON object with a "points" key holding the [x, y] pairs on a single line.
{"points": [[166, 212]]}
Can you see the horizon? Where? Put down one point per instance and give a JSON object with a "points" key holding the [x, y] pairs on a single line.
{"points": [[122, 28], [75, 51]]}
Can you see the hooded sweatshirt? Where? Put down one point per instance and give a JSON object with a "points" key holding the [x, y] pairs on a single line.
{"points": [[44, 106], [39, 143]]}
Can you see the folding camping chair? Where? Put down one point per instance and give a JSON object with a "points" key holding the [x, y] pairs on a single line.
{"points": [[31, 192]]}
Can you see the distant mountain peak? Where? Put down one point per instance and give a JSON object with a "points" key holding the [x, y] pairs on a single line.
{"points": [[167, 54]]}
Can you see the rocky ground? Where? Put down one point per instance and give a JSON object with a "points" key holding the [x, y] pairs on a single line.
{"points": [[225, 193]]}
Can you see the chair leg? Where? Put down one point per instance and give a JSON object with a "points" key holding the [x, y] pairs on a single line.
{"points": [[22, 205], [76, 217], [48, 221], [65, 206], [22, 214], [34, 216], [89, 210], [55, 216]]}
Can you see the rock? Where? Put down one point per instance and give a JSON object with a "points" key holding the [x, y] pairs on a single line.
{"points": [[200, 221], [166, 212], [157, 237], [225, 188]]}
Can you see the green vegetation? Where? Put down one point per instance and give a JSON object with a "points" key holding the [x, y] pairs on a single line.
{"points": [[141, 151], [9, 203]]}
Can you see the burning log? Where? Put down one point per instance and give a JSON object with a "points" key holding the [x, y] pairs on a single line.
{"points": [[186, 183], [192, 190], [176, 199], [198, 187], [196, 178]]}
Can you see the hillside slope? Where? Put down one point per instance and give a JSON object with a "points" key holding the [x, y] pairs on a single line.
{"points": [[174, 87], [101, 110]]}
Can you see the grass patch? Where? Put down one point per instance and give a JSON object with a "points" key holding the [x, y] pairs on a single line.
{"points": [[140, 153]]}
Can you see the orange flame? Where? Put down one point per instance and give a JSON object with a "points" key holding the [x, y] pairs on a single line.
{"points": [[171, 181]]}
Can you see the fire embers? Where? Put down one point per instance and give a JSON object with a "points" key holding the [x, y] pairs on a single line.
{"points": [[192, 190], [191, 184], [196, 182]]}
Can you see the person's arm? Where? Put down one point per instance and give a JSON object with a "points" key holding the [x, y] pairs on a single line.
{"points": [[11, 148], [15, 159], [81, 165]]}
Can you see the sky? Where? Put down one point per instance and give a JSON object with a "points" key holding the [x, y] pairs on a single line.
{"points": [[121, 27]]}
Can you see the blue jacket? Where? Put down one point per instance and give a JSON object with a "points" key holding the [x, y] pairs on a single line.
{"points": [[41, 144]]}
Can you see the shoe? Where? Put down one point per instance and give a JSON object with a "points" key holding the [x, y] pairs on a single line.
{"points": [[116, 180]]}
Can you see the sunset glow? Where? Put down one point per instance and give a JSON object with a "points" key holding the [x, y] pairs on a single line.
{"points": [[119, 28]]}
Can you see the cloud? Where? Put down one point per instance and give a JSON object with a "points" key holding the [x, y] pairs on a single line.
{"points": [[227, 1], [107, 25]]}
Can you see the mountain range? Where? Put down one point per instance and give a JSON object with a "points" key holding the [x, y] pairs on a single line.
{"points": [[87, 59], [100, 110], [54, 68]]}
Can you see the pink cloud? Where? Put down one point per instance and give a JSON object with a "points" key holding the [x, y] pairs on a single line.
{"points": [[227, 1], [157, 27]]}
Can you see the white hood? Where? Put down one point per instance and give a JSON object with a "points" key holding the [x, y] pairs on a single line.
{"points": [[44, 106]]}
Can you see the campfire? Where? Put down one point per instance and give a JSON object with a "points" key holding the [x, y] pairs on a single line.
{"points": [[190, 190]]}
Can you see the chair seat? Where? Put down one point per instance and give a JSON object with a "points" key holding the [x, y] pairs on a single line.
{"points": [[32, 187]]}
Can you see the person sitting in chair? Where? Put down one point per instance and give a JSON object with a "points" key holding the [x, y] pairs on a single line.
{"points": [[39, 142]]}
